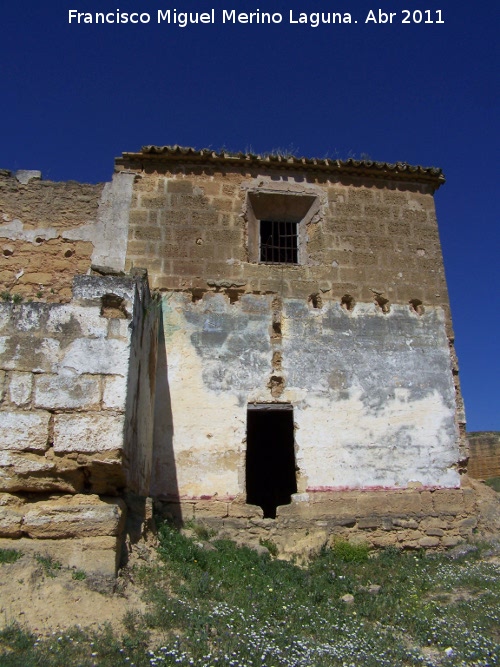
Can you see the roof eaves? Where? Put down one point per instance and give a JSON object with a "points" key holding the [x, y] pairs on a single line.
{"points": [[393, 171]]}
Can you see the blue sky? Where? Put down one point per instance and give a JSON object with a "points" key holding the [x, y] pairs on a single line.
{"points": [[74, 96]]}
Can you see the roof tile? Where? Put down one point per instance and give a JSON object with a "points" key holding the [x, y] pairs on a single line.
{"points": [[387, 170]]}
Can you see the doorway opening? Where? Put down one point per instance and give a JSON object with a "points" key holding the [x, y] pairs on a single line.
{"points": [[270, 458]]}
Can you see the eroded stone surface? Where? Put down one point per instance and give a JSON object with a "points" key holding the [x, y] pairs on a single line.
{"points": [[88, 432], [24, 431], [20, 386], [73, 516], [62, 392]]}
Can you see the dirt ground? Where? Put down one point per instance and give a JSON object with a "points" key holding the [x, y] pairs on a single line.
{"points": [[45, 600]]}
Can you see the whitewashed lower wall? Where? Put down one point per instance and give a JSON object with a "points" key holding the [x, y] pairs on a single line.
{"points": [[373, 394]]}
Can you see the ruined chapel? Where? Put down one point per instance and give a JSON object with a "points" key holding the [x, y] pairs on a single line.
{"points": [[260, 343]]}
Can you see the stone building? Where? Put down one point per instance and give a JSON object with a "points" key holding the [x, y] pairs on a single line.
{"points": [[291, 374]]}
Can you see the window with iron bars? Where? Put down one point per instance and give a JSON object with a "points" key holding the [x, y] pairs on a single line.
{"points": [[278, 242]]}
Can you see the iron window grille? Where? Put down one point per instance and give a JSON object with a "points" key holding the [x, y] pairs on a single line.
{"points": [[278, 242]]}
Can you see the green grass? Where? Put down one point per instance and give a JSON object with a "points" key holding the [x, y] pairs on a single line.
{"points": [[494, 483], [270, 546], [233, 607], [350, 553], [9, 555], [15, 298], [50, 566]]}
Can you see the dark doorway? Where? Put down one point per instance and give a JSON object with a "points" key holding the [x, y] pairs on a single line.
{"points": [[270, 461]]}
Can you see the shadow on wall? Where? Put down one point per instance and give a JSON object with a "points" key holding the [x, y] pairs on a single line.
{"points": [[164, 485]]}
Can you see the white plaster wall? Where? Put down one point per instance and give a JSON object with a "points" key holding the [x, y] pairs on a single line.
{"points": [[373, 394], [341, 446], [377, 401], [208, 384]]}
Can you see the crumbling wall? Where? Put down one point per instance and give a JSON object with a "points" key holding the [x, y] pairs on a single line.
{"points": [[50, 232], [67, 439], [38, 256], [356, 335], [412, 518]]}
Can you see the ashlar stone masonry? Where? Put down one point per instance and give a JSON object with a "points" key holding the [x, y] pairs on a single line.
{"points": [[76, 417], [293, 375]]}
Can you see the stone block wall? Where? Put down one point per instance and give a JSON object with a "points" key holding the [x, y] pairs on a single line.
{"points": [[365, 237], [355, 336], [50, 232], [413, 518], [484, 458], [38, 257], [76, 410]]}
